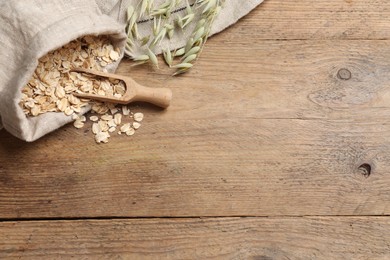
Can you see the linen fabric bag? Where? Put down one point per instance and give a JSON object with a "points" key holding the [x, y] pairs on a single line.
{"points": [[32, 28], [29, 30]]}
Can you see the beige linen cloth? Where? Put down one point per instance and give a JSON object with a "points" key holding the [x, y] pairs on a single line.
{"points": [[32, 28]]}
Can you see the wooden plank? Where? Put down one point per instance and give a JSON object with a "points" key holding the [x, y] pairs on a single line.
{"points": [[231, 168], [368, 6], [274, 79], [280, 136], [231, 238], [317, 19]]}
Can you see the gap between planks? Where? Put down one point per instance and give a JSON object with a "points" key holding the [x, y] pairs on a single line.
{"points": [[5, 220]]}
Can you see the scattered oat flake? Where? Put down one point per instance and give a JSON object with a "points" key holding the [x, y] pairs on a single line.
{"points": [[131, 131], [96, 128], [124, 128], [103, 125], [30, 103], [62, 104], [35, 111], [60, 92], [114, 110], [111, 123], [78, 123], [125, 111], [114, 55], [102, 137], [68, 111], [138, 117], [76, 109], [118, 119], [73, 100], [106, 117], [66, 64], [136, 125], [93, 118]]}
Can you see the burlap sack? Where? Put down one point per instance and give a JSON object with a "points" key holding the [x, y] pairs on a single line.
{"points": [[31, 28]]}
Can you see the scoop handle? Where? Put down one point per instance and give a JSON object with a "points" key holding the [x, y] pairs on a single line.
{"points": [[99, 73], [158, 96]]}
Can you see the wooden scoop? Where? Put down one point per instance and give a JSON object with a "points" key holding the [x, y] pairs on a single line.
{"points": [[134, 92]]}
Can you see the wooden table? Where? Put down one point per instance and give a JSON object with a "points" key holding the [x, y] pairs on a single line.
{"points": [[276, 146]]}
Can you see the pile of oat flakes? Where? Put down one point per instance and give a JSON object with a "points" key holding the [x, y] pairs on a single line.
{"points": [[53, 83]]}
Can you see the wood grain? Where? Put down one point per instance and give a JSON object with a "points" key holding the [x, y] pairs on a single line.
{"points": [[283, 136], [284, 115], [228, 238], [317, 19]]}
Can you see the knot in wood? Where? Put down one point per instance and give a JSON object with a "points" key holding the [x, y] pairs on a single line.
{"points": [[365, 170], [344, 74]]}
